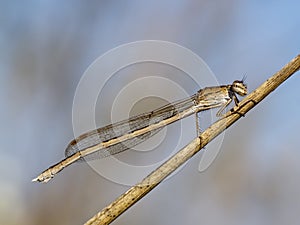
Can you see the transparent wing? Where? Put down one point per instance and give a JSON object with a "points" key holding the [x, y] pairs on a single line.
{"points": [[118, 129]]}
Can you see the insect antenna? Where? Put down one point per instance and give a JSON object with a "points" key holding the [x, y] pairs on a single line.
{"points": [[244, 78]]}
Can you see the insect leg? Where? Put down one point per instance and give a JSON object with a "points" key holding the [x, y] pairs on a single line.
{"points": [[236, 100], [219, 113]]}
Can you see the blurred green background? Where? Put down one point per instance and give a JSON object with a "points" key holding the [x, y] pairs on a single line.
{"points": [[47, 45]]}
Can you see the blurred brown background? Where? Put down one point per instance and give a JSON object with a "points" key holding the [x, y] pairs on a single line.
{"points": [[47, 45]]}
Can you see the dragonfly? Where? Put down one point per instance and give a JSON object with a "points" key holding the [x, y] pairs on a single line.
{"points": [[123, 135]]}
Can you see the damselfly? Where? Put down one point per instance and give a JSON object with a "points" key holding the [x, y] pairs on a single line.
{"points": [[123, 135]]}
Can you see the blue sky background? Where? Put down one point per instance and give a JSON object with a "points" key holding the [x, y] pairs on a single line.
{"points": [[47, 45]]}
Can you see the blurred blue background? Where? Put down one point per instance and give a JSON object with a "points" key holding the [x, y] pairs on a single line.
{"points": [[47, 45]]}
